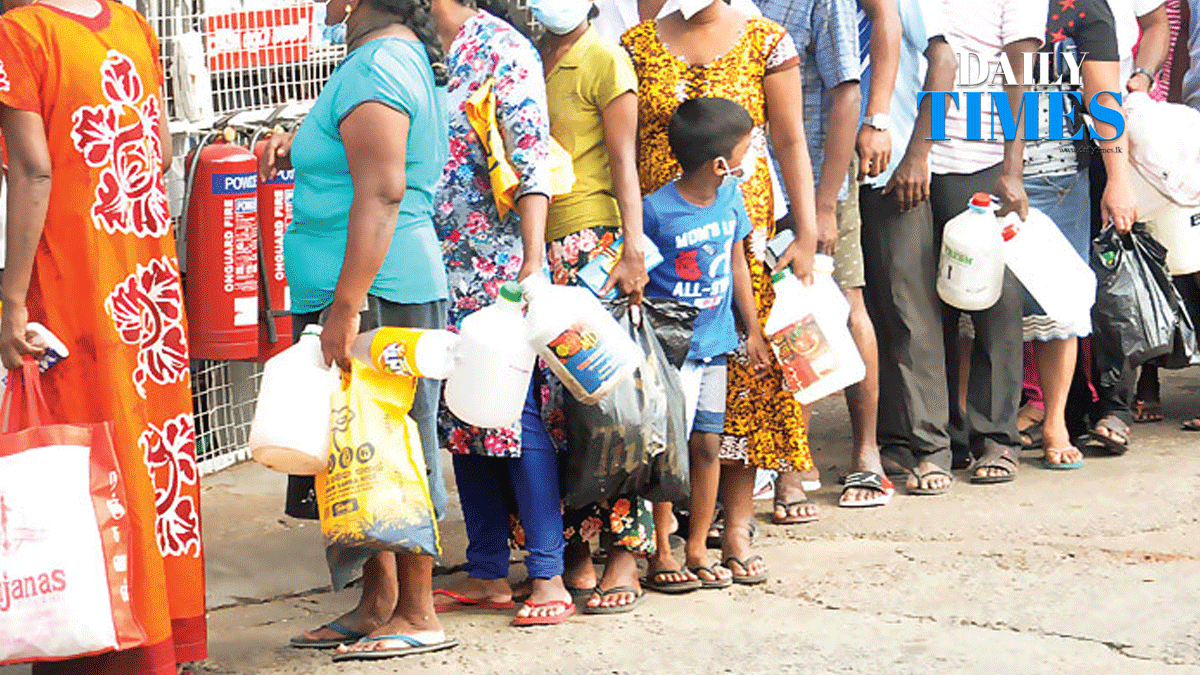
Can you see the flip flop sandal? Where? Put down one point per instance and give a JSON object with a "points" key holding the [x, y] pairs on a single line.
{"points": [[930, 492], [868, 480], [746, 579], [553, 620], [1037, 437], [347, 634], [1192, 425], [670, 587], [1060, 466], [463, 603], [415, 646], [1147, 412], [787, 508], [993, 459], [712, 571], [1101, 443], [639, 597]]}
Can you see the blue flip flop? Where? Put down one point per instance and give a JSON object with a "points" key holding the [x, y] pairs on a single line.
{"points": [[1046, 463], [347, 634], [414, 646]]}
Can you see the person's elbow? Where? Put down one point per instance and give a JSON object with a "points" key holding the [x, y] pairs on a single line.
{"points": [[941, 58], [29, 173], [387, 188], [847, 96]]}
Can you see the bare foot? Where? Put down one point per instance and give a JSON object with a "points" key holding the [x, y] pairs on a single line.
{"points": [[1059, 449], [1028, 416], [580, 571], [425, 629], [699, 564], [360, 620], [665, 569], [791, 503], [864, 459], [544, 592], [621, 571], [480, 590], [929, 478]]}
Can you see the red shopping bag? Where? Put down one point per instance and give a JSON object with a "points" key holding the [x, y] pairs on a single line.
{"points": [[64, 534]]}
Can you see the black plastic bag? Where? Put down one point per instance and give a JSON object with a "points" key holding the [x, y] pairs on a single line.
{"points": [[1136, 305], [1185, 351], [634, 442], [673, 321]]}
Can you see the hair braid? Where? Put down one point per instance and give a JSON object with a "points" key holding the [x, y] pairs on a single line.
{"points": [[417, 15]]}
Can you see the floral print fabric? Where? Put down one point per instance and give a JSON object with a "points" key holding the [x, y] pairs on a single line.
{"points": [[763, 421], [480, 249]]}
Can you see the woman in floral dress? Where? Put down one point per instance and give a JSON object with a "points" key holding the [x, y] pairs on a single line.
{"points": [[92, 257], [718, 51], [482, 250]]}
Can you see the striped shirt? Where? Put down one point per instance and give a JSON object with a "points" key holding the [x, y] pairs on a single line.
{"points": [[982, 28], [826, 35]]}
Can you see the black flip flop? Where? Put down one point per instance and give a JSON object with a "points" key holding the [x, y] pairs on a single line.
{"points": [[1037, 437], [671, 587], [640, 596], [1099, 442], [929, 492], [787, 508], [994, 459], [712, 572], [1192, 425], [746, 579]]}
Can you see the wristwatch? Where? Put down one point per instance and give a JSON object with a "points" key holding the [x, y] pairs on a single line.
{"points": [[881, 121], [1142, 71]]}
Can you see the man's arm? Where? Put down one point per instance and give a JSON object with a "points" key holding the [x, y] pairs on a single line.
{"points": [[1152, 49], [839, 151], [875, 145], [911, 179], [1010, 188]]}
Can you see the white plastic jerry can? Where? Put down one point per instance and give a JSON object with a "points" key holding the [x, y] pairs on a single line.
{"points": [[290, 431], [971, 270], [579, 340], [809, 332], [493, 363], [1040, 256]]}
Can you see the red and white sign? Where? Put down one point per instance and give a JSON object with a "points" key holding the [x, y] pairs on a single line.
{"points": [[258, 38]]}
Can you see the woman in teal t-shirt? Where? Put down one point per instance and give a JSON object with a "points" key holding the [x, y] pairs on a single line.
{"points": [[362, 253]]}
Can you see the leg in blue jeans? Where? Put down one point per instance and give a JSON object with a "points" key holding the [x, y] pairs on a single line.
{"points": [[485, 514], [534, 479]]}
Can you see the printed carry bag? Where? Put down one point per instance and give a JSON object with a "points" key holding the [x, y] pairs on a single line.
{"points": [[374, 492], [64, 534], [634, 441]]}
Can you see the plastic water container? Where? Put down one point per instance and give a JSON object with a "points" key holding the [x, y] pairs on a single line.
{"points": [[493, 363], [580, 341], [290, 431], [1048, 266], [413, 352], [1178, 228], [971, 270], [808, 329]]}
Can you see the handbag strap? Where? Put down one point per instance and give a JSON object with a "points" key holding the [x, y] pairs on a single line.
{"points": [[24, 390]]}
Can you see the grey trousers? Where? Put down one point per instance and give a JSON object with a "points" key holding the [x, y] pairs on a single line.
{"points": [[989, 424], [900, 252]]}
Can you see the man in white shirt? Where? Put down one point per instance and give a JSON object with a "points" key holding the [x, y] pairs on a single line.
{"points": [[1149, 18], [990, 30]]}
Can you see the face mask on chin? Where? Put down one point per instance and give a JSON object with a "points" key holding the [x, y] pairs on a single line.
{"points": [[690, 8], [560, 16]]}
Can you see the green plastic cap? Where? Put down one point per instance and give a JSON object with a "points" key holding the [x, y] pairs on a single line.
{"points": [[511, 291], [780, 275]]}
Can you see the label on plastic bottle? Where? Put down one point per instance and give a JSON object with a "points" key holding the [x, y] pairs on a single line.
{"points": [[394, 350], [586, 358], [804, 354]]}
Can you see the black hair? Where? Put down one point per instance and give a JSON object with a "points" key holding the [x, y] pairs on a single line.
{"points": [[704, 129], [417, 15]]}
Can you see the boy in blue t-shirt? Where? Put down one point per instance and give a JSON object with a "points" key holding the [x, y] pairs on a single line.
{"points": [[699, 223]]}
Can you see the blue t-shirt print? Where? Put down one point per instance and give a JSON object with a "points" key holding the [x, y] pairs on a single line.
{"points": [[697, 246]]}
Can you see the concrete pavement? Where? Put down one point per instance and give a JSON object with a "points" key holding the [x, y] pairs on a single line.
{"points": [[1096, 570]]}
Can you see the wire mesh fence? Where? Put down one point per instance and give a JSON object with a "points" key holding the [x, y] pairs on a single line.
{"points": [[223, 394]]}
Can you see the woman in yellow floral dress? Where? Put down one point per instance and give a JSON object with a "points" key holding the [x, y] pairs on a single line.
{"points": [[718, 51]]}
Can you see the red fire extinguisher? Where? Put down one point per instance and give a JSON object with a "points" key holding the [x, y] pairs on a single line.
{"points": [[222, 252], [274, 217]]}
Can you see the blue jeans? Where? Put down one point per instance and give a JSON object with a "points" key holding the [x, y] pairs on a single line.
{"points": [[534, 481]]}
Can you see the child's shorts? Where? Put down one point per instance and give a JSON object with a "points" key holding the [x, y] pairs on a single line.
{"points": [[704, 388]]}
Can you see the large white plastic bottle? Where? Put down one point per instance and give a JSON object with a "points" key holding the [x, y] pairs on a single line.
{"points": [[493, 363], [808, 329], [1041, 257], [414, 352], [971, 271], [580, 341], [290, 431]]}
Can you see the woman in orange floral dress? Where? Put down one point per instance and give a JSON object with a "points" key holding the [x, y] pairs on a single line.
{"points": [[718, 51], [91, 256]]}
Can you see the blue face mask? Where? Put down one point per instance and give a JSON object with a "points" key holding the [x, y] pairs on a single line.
{"points": [[560, 16]]}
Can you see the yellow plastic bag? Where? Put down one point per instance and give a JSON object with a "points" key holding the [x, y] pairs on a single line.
{"points": [[481, 113], [374, 493]]}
